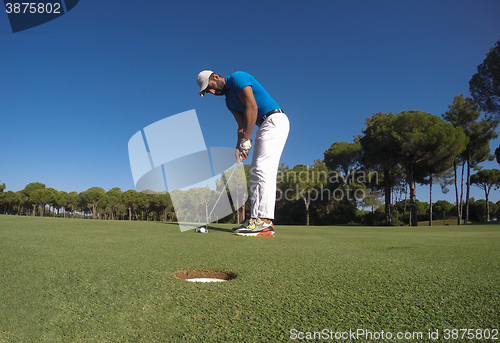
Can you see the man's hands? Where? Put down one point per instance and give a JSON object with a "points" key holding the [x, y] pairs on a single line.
{"points": [[240, 155], [245, 144], [242, 149]]}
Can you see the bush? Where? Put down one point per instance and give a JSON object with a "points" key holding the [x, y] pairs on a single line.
{"points": [[477, 210], [378, 218]]}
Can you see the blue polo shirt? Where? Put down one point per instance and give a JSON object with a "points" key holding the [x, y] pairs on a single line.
{"points": [[235, 84]]}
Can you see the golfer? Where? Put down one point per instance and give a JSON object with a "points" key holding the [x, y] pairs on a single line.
{"points": [[251, 105]]}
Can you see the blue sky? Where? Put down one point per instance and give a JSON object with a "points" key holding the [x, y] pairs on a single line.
{"points": [[76, 89]]}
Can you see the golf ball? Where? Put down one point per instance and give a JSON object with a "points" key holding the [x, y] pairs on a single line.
{"points": [[203, 229]]}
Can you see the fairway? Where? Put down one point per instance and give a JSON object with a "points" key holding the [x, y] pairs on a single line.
{"points": [[73, 280]]}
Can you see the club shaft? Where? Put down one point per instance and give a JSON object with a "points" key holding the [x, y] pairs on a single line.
{"points": [[221, 192]]}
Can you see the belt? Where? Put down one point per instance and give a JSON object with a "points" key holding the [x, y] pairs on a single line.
{"points": [[259, 122]]}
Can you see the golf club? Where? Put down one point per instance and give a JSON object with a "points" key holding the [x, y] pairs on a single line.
{"points": [[223, 188]]}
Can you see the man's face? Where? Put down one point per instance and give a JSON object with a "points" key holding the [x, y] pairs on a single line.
{"points": [[216, 87]]}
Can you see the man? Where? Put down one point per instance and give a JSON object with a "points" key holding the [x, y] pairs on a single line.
{"points": [[251, 105]]}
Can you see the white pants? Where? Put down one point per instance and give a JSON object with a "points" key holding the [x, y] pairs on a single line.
{"points": [[269, 143]]}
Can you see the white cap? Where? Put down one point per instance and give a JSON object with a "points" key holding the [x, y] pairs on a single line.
{"points": [[203, 80]]}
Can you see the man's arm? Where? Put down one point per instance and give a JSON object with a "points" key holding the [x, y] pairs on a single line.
{"points": [[240, 119], [250, 115], [246, 121]]}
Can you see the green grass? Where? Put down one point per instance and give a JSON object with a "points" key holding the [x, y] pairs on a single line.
{"points": [[65, 280], [440, 222]]}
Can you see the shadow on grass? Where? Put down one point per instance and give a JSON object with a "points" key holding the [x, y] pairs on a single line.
{"points": [[209, 227], [216, 228], [495, 223]]}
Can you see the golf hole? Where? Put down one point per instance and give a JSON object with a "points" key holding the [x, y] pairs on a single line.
{"points": [[205, 275]]}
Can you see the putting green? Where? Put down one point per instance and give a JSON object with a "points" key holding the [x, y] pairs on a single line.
{"points": [[65, 280]]}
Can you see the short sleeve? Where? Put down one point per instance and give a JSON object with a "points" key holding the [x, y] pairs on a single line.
{"points": [[241, 80]]}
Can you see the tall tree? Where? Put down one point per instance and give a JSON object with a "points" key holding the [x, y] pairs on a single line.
{"points": [[113, 201], [144, 202], [478, 148], [91, 197], [163, 206], [379, 151], [28, 191], [73, 200], [344, 156], [129, 198], [485, 84], [464, 113], [61, 201], [424, 144], [6, 201], [487, 179]]}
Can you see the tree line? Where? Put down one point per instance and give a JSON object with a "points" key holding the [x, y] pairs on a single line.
{"points": [[401, 150], [37, 200]]}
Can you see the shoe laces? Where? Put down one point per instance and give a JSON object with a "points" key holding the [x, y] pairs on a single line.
{"points": [[255, 222]]}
